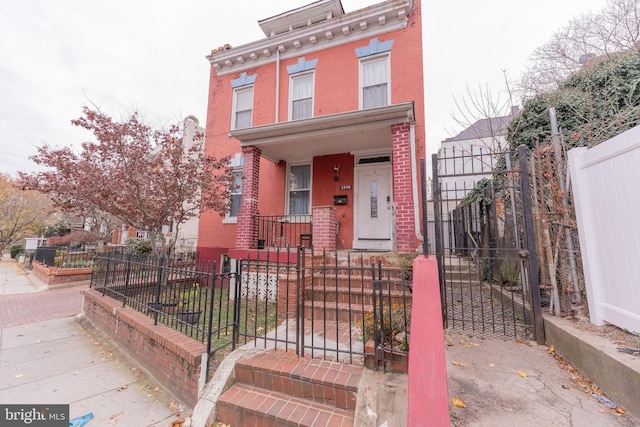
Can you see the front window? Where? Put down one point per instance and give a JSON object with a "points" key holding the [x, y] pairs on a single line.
{"points": [[236, 194], [301, 97], [243, 108], [374, 80], [300, 190]]}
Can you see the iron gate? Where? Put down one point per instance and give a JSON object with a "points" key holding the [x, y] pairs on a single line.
{"points": [[485, 243]]}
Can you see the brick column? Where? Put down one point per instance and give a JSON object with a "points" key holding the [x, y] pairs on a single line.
{"points": [[324, 228], [246, 227], [402, 194]]}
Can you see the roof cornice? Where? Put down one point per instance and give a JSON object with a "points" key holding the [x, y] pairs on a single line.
{"points": [[368, 22]]}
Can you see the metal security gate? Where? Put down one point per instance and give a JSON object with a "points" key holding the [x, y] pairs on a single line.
{"points": [[485, 243]]}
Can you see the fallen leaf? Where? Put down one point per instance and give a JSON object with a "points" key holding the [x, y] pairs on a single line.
{"points": [[462, 364], [19, 376], [551, 350], [522, 374], [76, 373], [620, 411], [522, 341], [157, 389], [491, 365], [458, 402]]}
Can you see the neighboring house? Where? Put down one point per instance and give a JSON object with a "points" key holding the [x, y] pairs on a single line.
{"points": [[472, 154], [324, 122], [188, 231]]}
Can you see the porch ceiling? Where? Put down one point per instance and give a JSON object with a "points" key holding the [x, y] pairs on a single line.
{"points": [[333, 134]]}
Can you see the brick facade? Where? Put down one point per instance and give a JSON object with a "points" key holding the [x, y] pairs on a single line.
{"points": [[336, 91], [402, 188], [324, 228], [247, 229]]}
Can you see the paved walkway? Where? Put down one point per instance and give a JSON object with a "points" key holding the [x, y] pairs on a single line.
{"points": [[50, 356]]}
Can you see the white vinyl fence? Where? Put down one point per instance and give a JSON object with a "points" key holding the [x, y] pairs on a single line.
{"points": [[606, 187]]}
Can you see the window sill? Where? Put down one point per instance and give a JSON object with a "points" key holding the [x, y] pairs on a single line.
{"points": [[230, 220]]}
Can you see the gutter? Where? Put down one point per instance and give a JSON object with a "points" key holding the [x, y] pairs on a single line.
{"points": [[414, 183]]}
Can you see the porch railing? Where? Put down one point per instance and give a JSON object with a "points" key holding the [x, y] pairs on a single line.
{"points": [[284, 231]]}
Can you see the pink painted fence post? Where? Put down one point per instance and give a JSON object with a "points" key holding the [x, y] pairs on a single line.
{"points": [[428, 392]]}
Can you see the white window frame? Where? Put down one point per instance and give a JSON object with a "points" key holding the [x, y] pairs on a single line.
{"points": [[234, 111], [228, 218], [374, 58], [288, 185], [297, 76]]}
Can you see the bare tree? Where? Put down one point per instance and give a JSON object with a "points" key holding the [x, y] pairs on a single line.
{"points": [[614, 29]]}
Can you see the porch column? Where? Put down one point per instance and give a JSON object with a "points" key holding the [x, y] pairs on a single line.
{"points": [[324, 228], [402, 194], [246, 227]]}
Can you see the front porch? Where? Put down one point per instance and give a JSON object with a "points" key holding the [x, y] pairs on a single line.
{"points": [[349, 182]]}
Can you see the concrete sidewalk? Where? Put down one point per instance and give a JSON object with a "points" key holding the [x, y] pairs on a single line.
{"points": [[67, 361]]}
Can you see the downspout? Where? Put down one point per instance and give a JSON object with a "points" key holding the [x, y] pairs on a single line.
{"points": [[277, 84], [414, 183]]}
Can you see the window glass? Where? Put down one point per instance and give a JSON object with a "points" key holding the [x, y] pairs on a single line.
{"points": [[374, 199], [302, 97], [236, 193], [244, 108], [375, 83], [300, 190]]}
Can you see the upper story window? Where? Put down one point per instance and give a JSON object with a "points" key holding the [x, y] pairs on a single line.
{"points": [[299, 189], [375, 87], [301, 95], [301, 88], [375, 73], [242, 108], [242, 101]]}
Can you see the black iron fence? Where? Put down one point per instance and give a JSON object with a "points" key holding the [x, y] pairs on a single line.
{"points": [[485, 243], [327, 305], [284, 231]]}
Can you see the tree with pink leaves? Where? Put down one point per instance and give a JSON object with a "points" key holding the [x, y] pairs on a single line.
{"points": [[147, 178]]}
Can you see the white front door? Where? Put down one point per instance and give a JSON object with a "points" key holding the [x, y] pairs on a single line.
{"points": [[373, 213]]}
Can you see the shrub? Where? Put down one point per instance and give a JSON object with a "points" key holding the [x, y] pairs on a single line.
{"points": [[16, 250], [391, 329], [137, 246]]}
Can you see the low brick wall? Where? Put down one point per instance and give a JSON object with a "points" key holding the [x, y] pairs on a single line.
{"points": [[53, 276], [176, 360]]}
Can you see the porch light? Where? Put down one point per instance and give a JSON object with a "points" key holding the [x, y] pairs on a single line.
{"points": [[336, 170]]}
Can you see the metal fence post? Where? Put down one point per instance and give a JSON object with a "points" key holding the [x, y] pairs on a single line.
{"points": [[437, 214], [530, 241], [158, 288], [126, 281]]}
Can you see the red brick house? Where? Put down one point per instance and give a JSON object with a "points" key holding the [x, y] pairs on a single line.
{"points": [[324, 121]]}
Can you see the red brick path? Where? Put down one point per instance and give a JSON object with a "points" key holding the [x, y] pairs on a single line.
{"points": [[22, 309]]}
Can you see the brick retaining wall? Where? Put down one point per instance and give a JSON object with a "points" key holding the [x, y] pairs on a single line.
{"points": [[176, 360], [59, 276]]}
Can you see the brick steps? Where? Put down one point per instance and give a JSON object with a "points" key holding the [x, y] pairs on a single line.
{"points": [[278, 388]]}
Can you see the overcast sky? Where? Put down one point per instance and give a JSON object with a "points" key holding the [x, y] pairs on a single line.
{"points": [[149, 55]]}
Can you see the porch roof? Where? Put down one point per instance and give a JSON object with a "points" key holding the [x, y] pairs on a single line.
{"points": [[331, 134]]}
